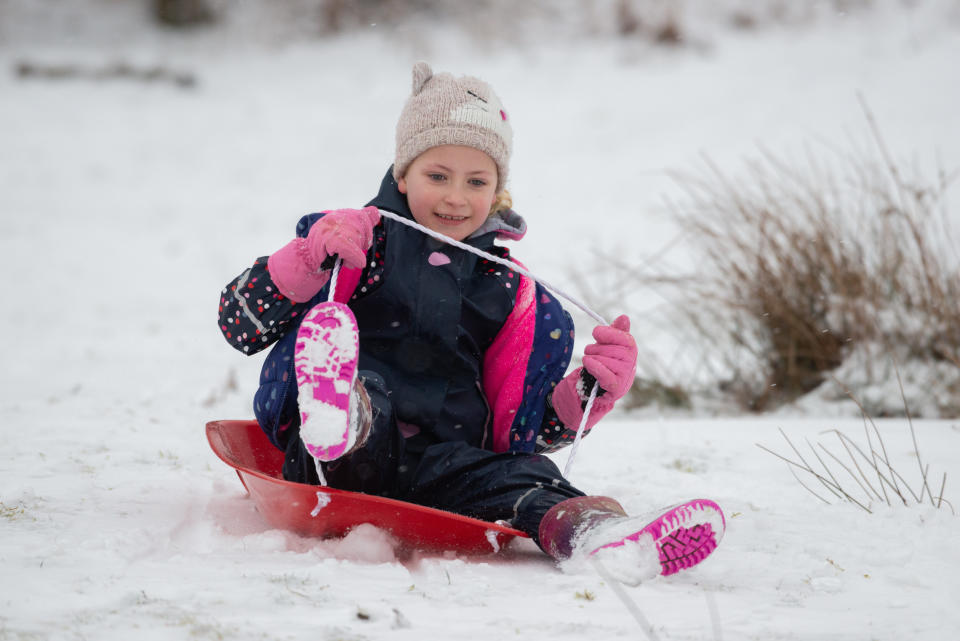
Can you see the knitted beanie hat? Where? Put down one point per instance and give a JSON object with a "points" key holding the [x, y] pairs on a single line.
{"points": [[443, 110]]}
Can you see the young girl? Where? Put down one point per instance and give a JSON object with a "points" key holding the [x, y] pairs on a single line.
{"points": [[436, 376]]}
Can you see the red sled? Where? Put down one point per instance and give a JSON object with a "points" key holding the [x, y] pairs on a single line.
{"points": [[315, 511]]}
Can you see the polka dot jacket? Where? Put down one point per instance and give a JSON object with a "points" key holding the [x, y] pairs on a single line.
{"points": [[253, 315]]}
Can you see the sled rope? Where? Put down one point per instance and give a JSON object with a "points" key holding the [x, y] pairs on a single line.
{"points": [[637, 614], [496, 259], [614, 584], [628, 603], [714, 615], [580, 430], [553, 288], [521, 270], [334, 274]]}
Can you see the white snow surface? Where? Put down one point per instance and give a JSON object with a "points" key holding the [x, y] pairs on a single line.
{"points": [[125, 206]]}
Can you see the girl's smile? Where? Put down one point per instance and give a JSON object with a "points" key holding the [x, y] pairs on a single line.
{"points": [[450, 189]]}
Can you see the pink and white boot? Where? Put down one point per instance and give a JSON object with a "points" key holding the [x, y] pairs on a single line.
{"points": [[334, 407], [637, 548]]}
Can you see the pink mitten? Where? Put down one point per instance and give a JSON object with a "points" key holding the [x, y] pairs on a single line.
{"points": [[346, 233], [296, 267], [612, 361]]}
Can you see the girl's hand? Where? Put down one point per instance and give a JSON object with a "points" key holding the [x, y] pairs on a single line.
{"points": [[347, 233], [612, 360], [297, 268]]}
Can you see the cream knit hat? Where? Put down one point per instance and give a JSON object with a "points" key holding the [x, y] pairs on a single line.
{"points": [[443, 110]]}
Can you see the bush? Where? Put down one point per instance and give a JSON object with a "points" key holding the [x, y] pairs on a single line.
{"points": [[806, 267], [182, 13]]}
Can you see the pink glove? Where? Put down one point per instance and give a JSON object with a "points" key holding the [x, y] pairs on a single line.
{"points": [[296, 267], [346, 233], [612, 361]]}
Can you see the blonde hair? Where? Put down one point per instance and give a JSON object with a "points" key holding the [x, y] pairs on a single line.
{"points": [[501, 203]]}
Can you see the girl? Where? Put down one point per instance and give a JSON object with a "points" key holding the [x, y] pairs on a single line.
{"points": [[436, 376]]}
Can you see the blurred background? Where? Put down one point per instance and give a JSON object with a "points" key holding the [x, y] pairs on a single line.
{"points": [[763, 185]]}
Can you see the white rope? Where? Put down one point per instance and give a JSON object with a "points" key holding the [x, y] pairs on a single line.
{"points": [[502, 261], [334, 274], [634, 610], [580, 430], [517, 268], [628, 603], [614, 584], [323, 479], [714, 615]]}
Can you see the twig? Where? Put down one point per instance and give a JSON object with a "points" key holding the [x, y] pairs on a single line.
{"points": [[843, 442], [884, 152], [913, 433], [894, 475], [823, 465], [866, 430], [886, 459], [873, 459], [805, 468], [808, 467], [804, 486], [852, 475], [883, 479], [868, 420], [842, 494]]}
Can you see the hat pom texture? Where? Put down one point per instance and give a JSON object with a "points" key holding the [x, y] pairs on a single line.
{"points": [[444, 110]]}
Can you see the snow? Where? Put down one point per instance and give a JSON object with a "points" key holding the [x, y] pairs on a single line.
{"points": [[126, 205]]}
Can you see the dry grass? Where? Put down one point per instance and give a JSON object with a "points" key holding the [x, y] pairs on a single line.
{"points": [[837, 263], [802, 263], [863, 473]]}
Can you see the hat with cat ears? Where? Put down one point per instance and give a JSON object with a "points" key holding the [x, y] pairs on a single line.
{"points": [[444, 110]]}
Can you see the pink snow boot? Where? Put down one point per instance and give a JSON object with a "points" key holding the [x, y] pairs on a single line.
{"points": [[335, 410], [676, 539]]}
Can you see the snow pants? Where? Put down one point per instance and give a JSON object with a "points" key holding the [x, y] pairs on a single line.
{"points": [[452, 476]]}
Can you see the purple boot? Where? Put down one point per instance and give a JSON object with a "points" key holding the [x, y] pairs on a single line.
{"points": [[679, 537]]}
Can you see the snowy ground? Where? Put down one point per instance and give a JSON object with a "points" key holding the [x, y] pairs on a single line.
{"points": [[125, 206]]}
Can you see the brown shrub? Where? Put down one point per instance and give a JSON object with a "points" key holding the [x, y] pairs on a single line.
{"points": [[803, 263]]}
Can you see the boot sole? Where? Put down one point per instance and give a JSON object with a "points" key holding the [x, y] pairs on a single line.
{"points": [[684, 535], [325, 363]]}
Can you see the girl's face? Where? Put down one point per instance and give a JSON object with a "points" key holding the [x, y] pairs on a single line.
{"points": [[450, 189]]}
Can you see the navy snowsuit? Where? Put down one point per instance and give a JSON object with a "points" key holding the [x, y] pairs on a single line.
{"points": [[425, 327]]}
